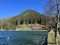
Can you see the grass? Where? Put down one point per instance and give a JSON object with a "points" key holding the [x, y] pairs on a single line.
{"points": [[23, 27], [30, 27], [51, 38], [58, 40]]}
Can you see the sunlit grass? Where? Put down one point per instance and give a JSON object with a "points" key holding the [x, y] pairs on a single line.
{"points": [[30, 27], [58, 40], [51, 38]]}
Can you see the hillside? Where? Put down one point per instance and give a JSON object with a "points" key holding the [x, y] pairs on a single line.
{"points": [[26, 17], [29, 17]]}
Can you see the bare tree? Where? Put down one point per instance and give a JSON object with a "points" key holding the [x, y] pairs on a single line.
{"points": [[49, 10], [57, 19], [53, 8]]}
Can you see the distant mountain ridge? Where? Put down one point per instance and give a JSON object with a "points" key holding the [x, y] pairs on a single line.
{"points": [[1, 19]]}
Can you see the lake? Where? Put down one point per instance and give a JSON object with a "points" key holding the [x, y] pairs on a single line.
{"points": [[23, 37]]}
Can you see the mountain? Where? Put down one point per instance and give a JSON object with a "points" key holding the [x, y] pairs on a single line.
{"points": [[2, 20], [29, 16], [26, 17]]}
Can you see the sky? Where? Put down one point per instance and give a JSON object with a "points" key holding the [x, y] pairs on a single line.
{"points": [[9, 8]]}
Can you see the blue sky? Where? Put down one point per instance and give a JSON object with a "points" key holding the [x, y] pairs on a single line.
{"points": [[14, 7]]}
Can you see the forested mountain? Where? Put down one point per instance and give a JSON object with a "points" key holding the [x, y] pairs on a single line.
{"points": [[29, 17], [26, 17]]}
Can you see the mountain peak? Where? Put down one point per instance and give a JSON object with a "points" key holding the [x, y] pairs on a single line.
{"points": [[30, 10]]}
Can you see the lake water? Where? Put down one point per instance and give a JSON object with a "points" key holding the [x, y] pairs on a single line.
{"points": [[22, 37]]}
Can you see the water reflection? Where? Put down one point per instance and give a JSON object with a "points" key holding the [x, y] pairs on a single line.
{"points": [[25, 42], [21, 38]]}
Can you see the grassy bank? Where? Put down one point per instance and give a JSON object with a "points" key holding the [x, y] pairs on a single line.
{"points": [[58, 40], [31, 27], [51, 38]]}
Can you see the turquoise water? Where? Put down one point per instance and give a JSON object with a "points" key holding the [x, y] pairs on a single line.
{"points": [[22, 37]]}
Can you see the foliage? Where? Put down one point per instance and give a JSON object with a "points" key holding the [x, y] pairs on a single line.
{"points": [[27, 17]]}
